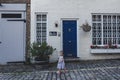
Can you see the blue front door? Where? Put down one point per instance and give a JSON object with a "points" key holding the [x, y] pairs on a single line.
{"points": [[69, 38]]}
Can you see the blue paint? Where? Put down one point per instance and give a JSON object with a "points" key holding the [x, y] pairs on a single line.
{"points": [[70, 38]]}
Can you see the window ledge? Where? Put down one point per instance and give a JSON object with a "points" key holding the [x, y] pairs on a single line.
{"points": [[102, 51]]}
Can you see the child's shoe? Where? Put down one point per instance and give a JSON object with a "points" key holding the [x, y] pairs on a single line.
{"points": [[58, 72]]}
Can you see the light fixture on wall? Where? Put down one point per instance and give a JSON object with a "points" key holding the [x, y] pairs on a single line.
{"points": [[56, 24]]}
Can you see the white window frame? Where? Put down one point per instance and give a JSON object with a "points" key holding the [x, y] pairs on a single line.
{"points": [[101, 22], [40, 37]]}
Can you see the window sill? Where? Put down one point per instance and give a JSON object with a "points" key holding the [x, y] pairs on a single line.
{"points": [[102, 51]]}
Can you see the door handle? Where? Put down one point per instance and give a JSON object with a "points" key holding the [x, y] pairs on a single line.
{"points": [[69, 41], [0, 42]]}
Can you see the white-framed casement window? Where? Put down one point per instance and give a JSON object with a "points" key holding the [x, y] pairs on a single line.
{"points": [[41, 25], [105, 29]]}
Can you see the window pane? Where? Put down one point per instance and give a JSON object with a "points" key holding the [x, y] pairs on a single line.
{"points": [[104, 41], [43, 25], [93, 17], [118, 40], [94, 41], [109, 19], [39, 17], [43, 17], [114, 19], [99, 41], [118, 19], [104, 19], [98, 17], [114, 40], [38, 24]]}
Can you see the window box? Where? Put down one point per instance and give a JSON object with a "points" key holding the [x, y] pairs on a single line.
{"points": [[99, 47], [104, 46], [105, 49], [102, 51]]}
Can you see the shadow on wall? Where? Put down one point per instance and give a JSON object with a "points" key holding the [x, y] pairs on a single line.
{"points": [[54, 57]]}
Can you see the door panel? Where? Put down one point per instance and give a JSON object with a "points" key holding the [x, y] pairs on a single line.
{"points": [[12, 47], [69, 38]]}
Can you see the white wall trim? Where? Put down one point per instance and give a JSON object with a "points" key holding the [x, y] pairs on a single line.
{"points": [[69, 19]]}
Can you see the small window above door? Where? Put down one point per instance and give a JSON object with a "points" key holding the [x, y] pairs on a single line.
{"points": [[11, 15]]}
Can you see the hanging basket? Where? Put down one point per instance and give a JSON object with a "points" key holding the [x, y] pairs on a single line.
{"points": [[86, 27]]}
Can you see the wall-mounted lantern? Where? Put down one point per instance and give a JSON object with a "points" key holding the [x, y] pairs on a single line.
{"points": [[56, 24]]}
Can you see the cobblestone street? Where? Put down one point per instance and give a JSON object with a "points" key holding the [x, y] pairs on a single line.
{"points": [[84, 70]]}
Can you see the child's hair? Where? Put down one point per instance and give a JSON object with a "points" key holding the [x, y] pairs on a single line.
{"points": [[61, 53]]}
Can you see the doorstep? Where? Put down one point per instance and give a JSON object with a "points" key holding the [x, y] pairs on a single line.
{"points": [[72, 59]]}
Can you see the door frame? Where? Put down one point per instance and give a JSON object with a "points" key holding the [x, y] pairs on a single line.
{"points": [[61, 30]]}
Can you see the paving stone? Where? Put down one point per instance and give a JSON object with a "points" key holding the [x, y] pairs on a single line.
{"points": [[98, 70], [54, 77]]}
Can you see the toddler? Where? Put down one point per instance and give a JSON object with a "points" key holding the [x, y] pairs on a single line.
{"points": [[61, 63]]}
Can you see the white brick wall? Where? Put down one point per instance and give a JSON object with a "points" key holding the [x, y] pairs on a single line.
{"points": [[80, 9]]}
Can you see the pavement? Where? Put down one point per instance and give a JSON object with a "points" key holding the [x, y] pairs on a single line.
{"points": [[82, 70]]}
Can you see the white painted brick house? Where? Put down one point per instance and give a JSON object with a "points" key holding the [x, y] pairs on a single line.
{"points": [[58, 23]]}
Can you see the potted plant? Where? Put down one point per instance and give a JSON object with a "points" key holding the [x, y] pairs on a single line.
{"points": [[41, 52], [86, 27]]}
